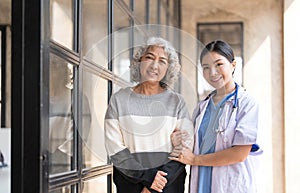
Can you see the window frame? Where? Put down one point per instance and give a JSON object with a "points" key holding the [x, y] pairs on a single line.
{"points": [[3, 76]]}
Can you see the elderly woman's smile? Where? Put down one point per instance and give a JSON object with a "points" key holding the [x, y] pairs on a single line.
{"points": [[154, 64]]}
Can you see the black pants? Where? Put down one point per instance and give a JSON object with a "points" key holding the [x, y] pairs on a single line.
{"points": [[126, 186]]}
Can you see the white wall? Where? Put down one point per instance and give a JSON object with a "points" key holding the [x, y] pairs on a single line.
{"points": [[291, 97]]}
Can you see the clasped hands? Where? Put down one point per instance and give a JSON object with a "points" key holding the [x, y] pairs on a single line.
{"points": [[159, 182], [181, 152]]}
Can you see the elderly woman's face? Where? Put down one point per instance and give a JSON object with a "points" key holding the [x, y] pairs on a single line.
{"points": [[154, 64]]}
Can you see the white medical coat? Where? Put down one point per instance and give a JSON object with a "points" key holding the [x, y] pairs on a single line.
{"points": [[240, 128]]}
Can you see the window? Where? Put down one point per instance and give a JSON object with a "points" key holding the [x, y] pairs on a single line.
{"points": [[62, 22], [61, 117], [91, 45], [69, 56]]}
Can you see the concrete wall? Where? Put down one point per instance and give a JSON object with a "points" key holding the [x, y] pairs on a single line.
{"points": [[262, 75], [5, 12]]}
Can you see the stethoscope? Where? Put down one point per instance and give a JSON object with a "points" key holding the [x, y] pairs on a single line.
{"points": [[210, 135], [234, 107], [221, 131]]}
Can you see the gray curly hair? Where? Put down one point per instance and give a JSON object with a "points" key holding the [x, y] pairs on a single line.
{"points": [[173, 69]]}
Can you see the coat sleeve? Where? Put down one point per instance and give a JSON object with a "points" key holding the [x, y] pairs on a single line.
{"points": [[247, 122]]}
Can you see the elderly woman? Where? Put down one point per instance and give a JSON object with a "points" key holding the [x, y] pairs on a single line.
{"points": [[140, 120]]}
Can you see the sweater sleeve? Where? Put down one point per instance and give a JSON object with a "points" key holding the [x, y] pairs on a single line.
{"points": [[173, 169], [133, 170], [119, 154], [184, 123]]}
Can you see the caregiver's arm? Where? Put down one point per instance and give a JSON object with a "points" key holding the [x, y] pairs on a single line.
{"points": [[228, 156]]}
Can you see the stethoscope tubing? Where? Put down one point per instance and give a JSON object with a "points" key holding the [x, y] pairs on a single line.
{"points": [[234, 107]]}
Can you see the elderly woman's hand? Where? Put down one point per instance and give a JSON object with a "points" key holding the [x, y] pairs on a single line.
{"points": [[159, 181]]}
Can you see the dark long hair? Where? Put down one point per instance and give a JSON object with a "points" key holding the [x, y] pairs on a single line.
{"points": [[220, 47]]}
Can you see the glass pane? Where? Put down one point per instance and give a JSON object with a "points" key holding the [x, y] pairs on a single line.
{"points": [[140, 11], [96, 185], [171, 13], [153, 11], [65, 189], [163, 12], [94, 29], [121, 18], [121, 44], [61, 118], [62, 22], [232, 33], [121, 59], [94, 108]]}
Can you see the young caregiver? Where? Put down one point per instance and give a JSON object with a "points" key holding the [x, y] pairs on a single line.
{"points": [[226, 126]]}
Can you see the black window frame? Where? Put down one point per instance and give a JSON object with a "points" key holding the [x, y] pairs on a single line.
{"points": [[3, 75], [27, 109]]}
